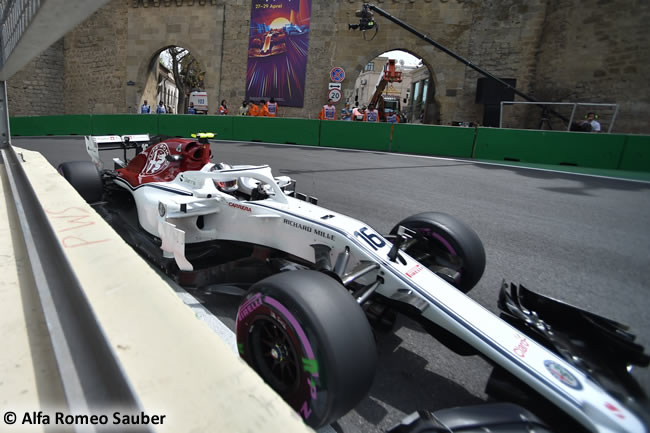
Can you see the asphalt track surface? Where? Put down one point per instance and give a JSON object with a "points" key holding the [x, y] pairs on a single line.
{"points": [[584, 240]]}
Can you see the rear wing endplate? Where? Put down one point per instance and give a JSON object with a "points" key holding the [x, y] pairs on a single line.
{"points": [[114, 142]]}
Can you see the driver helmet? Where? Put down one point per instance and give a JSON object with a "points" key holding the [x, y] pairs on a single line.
{"points": [[228, 186], [224, 186]]}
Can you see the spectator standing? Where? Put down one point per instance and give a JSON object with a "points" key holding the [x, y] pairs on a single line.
{"points": [[346, 112], [371, 115], [253, 110], [243, 110], [391, 116], [262, 111], [191, 109], [357, 113], [160, 109], [272, 107], [223, 108], [145, 108], [328, 112]]}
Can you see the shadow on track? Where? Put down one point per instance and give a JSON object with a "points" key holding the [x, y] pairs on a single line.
{"points": [[404, 167], [588, 182]]}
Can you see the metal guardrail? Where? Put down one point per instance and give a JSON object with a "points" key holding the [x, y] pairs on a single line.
{"points": [[573, 112], [91, 375], [16, 17]]}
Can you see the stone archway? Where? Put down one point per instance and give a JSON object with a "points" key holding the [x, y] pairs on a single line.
{"points": [[431, 107], [441, 108], [146, 85], [153, 29]]}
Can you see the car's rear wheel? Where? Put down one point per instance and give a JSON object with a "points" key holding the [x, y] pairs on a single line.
{"points": [[447, 246], [307, 337], [85, 178]]}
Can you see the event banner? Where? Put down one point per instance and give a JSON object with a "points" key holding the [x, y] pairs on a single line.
{"points": [[278, 43]]}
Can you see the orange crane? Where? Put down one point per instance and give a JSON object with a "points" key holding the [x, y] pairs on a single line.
{"points": [[389, 75]]}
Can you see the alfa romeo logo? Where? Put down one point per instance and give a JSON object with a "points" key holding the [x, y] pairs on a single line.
{"points": [[562, 374], [157, 160]]}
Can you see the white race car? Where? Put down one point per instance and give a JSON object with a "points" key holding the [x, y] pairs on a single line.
{"points": [[314, 281]]}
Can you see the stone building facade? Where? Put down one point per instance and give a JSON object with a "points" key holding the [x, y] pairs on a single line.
{"points": [[555, 49], [366, 82], [38, 87]]}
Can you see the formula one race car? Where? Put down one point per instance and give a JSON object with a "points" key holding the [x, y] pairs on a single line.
{"points": [[315, 282]]}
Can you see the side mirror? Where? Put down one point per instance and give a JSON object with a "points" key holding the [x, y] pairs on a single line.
{"points": [[174, 158]]}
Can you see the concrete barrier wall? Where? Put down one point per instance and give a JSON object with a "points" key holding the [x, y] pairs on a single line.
{"points": [[176, 365], [51, 125], [433, 140], [550, 147], [636, 153], [355, 135], [183, 125], [276, 130], [121, 124], [603, 151]]}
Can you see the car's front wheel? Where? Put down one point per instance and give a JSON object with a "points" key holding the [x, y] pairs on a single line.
{"points": [[307, 337], [447, 246]]}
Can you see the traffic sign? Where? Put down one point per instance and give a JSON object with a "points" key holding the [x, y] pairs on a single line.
{"points": [[331, 86], [335, 95], [337, 74]]}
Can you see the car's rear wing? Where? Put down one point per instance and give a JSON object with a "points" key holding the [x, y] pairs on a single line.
{"points": [[114, 142]]}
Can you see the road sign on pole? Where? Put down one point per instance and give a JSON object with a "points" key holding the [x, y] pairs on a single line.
{"points": [[335, 95], [337, 74]]}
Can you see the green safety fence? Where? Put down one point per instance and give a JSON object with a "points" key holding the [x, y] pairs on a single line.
{"points": [[79, 124], [183, 125], [276, 130], [636, 154], [550, 147], [603, 151], [355, 135], [433, 140], [122, 124]]}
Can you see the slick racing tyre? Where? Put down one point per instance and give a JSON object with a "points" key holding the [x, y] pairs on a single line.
{"points": [[85, 178], [446, 242], [307, 337]]}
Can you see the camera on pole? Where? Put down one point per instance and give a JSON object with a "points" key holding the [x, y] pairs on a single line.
{"points": [[366, 22]]}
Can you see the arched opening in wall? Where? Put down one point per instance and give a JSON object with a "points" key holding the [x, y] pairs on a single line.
{"points": [[397, 82], [175, 79]]}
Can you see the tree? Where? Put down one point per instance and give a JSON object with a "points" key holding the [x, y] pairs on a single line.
{"points": [[187, 71]]}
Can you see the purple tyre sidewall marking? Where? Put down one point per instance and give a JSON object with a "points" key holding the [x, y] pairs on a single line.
{"points": [[445, 243], [430, 233], [294, 324], [257, 301]]}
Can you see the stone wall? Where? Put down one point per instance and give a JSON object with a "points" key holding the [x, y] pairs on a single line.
{"points": [[598, 53], [197, 26], [556, 49], [235, 59], [504, 40], [37, 89], [95, 62], [446, 21]]}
